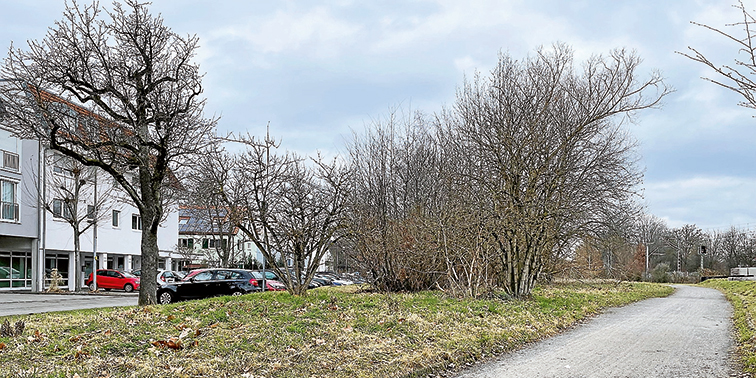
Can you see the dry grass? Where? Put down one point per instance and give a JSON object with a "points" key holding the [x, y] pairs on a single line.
{"points": [[329, 333], [742, 296]]}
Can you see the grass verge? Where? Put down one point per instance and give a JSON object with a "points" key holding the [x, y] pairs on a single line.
{"points": [[742, 296], [332, 332]]}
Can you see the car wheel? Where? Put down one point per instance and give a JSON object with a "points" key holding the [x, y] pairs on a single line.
{"points": [[128, 287], [236, 293], [92, 287], [165, 297]]}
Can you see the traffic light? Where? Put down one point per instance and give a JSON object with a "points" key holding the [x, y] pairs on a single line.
{"points": [[703, 249]]}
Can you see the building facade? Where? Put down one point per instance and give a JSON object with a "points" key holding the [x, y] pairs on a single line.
{"points": [[20, 226], [207, 237], [36, 237]]}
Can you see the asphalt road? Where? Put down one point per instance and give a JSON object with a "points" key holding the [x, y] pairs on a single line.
{"points": [[29, 303], [687, 334]]}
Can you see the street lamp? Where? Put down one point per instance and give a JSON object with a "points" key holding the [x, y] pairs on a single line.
{"points": [[647, 243]]}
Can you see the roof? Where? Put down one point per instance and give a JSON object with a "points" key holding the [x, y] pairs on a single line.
{"points": [[195, 220]]}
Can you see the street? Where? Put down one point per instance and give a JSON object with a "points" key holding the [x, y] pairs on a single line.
{"points": [[687, 334], [31, 303]]}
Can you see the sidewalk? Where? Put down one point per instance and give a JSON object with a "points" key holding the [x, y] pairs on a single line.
{"points": [[23, 303]]}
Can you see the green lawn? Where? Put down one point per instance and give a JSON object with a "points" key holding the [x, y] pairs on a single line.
{"points": [[332, 332]]}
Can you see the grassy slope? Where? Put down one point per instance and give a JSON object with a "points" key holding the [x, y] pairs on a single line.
{"points": [[329, 333], [742, 295]]}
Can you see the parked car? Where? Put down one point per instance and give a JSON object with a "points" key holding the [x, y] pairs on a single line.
{"points": [[164, 276], [137, 272], [112, 279], [271, 280], [336, 279], [203, 283], [269, 275]]}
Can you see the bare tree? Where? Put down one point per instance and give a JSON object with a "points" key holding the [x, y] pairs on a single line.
{"points": [[412, 227], [290, 208], [685, 241], [737, 77], [138, 78], [732, 248], [211, 219], [71, 184], [554, 159]]}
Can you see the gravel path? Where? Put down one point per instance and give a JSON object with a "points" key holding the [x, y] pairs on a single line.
{"points": [[687, 334]]}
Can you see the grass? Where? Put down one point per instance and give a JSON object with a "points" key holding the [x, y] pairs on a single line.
{"points": [[332, 332], [742, 296]]}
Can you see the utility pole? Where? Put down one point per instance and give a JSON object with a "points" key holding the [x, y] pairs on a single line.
{"points": [[647, 257], [94, 234]]}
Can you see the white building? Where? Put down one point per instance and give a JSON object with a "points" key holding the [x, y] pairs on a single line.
{"points": [[20, 227], [34, 241], [118, 231]]}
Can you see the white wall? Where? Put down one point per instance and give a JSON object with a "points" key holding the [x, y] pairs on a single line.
{"points": [[122, 240]]}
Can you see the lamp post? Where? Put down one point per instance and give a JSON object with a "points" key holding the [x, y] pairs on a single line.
{"points": [[647, 255]]}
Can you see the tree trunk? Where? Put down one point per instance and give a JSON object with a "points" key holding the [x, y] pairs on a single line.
{"points": [[75, 281], [150, 254]]}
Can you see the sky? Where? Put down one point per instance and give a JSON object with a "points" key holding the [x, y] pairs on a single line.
{"points": [[317, 71]]}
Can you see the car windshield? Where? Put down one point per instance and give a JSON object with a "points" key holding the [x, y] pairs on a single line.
{"points": [[129, 275]]}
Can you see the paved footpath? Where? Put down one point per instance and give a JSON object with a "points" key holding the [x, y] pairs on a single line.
{"points": [[687, 334], [30, 303]]}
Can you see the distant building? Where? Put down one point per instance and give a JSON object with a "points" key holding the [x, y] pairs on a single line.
{"points": [[205, 235]]}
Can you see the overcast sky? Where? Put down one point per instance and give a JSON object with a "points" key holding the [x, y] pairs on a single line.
{"points": [[316, 70]]}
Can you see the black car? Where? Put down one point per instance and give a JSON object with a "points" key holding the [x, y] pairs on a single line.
{"points": [[205, 283]]}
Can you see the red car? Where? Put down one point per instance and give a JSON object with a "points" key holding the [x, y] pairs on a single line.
{"points": [[112, 279]]}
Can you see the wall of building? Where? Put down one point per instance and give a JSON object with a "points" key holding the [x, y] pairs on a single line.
{"points": [[117, 246], [18, 237]]}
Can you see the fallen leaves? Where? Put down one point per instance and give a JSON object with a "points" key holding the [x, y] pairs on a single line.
{"points": [[80, 353], [172, 343], [35, 338]]}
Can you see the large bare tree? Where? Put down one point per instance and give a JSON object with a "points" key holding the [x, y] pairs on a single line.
{"points": [[137, 77], [546, 144]]}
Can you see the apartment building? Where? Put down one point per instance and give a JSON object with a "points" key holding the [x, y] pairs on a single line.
{"points": [[36, 234]]}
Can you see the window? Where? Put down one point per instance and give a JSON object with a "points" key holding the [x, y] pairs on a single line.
{"points": [[116, 215], [61, 165], [10, 161], [204, 276], [186, 243], [136, 222], [8, 205], [61, 209], [90, 212], [213, 243], [59, 169]]}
